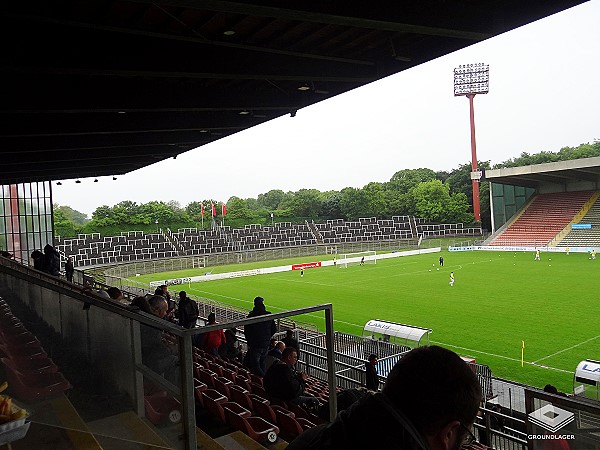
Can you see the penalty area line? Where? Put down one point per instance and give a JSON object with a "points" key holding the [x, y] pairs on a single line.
{"points": [[567, 349]]}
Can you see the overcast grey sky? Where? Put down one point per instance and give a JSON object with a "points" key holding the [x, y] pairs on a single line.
{"points": [[544, 95]]}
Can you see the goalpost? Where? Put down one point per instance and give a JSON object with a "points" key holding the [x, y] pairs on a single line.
{"points": [[354, 259]]}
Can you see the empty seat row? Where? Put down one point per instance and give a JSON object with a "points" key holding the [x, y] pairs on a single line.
{"points": [[31, 374]]}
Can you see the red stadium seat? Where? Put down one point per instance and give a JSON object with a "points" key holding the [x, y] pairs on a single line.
{"points": [[256, 427]]}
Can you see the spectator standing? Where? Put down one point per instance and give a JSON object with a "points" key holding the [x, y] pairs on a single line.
{"points": [[371, 377], [38, 260], [284, 382], [69, 269], [289, 341], [258, 336], [51, 261], [187, 311], [429, 402], [212, 340]]}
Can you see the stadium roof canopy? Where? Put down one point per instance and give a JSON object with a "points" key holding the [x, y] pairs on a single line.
{"points": [[559, 173], [103, 87]]}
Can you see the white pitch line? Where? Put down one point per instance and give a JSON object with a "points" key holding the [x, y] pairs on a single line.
{"points": [[534, 363], [567, 349]]}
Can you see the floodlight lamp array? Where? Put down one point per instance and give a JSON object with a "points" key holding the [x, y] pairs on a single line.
{"points": [[471, 79]]}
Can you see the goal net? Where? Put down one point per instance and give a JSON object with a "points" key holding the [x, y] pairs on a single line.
{"points": [[355, 259]]}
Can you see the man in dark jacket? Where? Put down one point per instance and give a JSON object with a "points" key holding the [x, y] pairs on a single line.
{"points": [[283, 382], [187, 311], [289, 341], [371, 378], [51, 261], [258, 336], [69, 269], [429, 402]]}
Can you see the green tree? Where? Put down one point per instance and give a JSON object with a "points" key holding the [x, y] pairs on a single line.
{"points": [[237, 208], [74, 216], [432, 200], [406, 179], [353, 203], [271, 199]]}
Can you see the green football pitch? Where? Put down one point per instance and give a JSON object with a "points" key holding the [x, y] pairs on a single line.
{"points": [[499, 299]]}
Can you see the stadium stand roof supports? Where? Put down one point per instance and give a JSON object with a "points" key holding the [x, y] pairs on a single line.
{"points": [[104, 87]]}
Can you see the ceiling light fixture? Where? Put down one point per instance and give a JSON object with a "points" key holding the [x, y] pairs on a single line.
{"points": [[77, 181], [244, 113], [59, 184], [304, 87], [229, 32]]}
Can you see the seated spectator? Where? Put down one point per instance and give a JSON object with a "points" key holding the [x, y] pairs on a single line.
{"points": [[284, 382], [163, 290], [275, 354], [289, 341], [211, 341], [141, 303], [187, 311], [115, 293], [272, 344], [231, 350], [7, 255], [429, 402], [371, 378], [157, 355]]}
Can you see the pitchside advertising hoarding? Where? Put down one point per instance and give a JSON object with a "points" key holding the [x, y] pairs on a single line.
{"points": [[515, 248]]}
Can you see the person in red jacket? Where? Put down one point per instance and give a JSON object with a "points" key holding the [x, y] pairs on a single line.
{"points": [[212, 340]]}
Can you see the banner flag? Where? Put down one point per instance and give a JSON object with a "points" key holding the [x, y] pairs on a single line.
{"points": [[212, 209], [223, 209], [202, 209]]}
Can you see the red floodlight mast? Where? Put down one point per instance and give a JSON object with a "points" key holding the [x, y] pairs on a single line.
{"points": [[469, 80]]}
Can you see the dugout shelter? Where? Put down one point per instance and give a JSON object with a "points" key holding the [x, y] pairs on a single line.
{"points": [[586, 382], [397, 333]]}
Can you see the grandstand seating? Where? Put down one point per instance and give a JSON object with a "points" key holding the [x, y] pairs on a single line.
{"points": [[586, 237], [30, 373], [95, 250], [543, 219]]}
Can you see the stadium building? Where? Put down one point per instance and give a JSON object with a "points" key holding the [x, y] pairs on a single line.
{"points": [[102, 88]]}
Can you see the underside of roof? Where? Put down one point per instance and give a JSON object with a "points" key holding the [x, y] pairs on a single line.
{"points": [[104, 87], [560, 173]]}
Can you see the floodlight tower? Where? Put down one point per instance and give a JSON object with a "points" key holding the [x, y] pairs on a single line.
{"points": [[469, 80]]}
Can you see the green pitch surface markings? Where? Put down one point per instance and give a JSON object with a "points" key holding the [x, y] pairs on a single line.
{"points": [[498, 300]]}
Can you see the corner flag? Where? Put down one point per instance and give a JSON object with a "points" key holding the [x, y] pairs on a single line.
{"points": [[522, 353]]}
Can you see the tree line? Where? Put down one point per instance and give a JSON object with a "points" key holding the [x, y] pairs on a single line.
{"points": [[436, 196]]}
